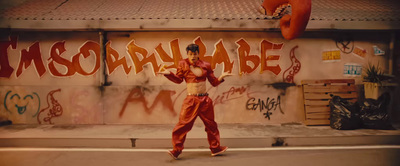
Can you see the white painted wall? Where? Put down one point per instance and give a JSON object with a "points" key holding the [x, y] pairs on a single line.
{"points": [[83, 102]]}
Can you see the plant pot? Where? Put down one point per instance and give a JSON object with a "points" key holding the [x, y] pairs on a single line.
{"points": [[373, 90]]}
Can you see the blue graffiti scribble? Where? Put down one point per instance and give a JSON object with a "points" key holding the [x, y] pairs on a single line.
{"points": [[28, 96], [5, 103], [15, 95], [37, 112], [21, 109]]}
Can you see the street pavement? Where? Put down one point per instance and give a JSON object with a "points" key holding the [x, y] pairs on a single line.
{"points": [[387, 155], [249, 144], [159, 136]]}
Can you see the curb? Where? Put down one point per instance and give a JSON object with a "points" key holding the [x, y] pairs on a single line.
{"points": [[154, 143]]}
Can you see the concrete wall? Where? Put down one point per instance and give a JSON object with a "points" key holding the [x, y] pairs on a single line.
{"points": [[57, 77], [8, 4]]}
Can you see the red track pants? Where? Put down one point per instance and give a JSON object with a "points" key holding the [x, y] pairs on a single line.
{"points": [[192, 107]]}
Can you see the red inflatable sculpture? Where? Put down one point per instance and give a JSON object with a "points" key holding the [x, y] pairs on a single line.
{"points": [[292, 26]]}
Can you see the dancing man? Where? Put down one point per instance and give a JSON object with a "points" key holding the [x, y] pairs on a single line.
{"points": [[197, 103]]}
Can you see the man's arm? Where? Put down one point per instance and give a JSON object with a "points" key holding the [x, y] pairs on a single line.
{"points": [[176, 78]]}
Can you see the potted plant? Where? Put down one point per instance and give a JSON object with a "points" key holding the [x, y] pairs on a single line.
{"points": [[376, 82]]}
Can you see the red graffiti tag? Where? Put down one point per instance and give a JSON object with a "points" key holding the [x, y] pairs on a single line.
{"points": [[288, 75], [232, 94], [163, 97], [55, 111], [5, 68], [27, 56]]}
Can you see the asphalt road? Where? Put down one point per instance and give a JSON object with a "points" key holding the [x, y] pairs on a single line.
{"points": [[282, 156]]}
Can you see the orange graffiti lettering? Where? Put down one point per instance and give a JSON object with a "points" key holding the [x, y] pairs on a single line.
{"points": [[176, 54], [85, 52], [134, 50], [73, 66], [55, 57], [244, 57], [266, 45], [62, 66], [203, 50], [221, 56], [113, 62]]}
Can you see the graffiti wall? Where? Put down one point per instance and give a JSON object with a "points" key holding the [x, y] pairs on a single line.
{"points": [[66, 78]]}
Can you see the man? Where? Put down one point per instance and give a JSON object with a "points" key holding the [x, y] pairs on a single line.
{"points": [[197, 103]]}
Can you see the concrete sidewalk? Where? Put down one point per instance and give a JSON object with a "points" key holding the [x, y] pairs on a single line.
{"points": [[159, 136]]}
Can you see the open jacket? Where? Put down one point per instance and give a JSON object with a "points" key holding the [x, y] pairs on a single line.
{"points": [[184, 72]]}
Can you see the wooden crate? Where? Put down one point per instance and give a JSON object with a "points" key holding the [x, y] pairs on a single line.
{"points": [[317, 95]]}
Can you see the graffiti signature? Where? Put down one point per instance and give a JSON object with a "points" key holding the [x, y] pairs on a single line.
{"points": [[55, 111], [232, 94], [270, 104], [288, 75]]}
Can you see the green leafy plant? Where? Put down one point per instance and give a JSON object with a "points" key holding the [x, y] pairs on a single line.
{"points": [[374, 74]]}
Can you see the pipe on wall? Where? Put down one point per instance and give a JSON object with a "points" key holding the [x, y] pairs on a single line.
{"points": [[104, 76], [391, 52]]}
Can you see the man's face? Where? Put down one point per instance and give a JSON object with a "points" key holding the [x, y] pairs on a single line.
{"points": [[193, 56]]}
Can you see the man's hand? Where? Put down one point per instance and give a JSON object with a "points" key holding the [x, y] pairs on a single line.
{"points": [[163, 70], [223, 75]]}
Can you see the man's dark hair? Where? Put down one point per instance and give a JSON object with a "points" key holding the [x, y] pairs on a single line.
{"points": [[193, 48]]}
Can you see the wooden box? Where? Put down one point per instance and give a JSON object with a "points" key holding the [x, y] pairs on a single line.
{"points": [[317, 95]]}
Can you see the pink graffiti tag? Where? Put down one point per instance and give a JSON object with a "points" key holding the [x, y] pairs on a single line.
{"points": [[288, 75], [55, 111]]}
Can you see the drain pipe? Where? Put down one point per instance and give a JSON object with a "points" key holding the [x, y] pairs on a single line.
{"points": [[104, 75], [391, 52]]}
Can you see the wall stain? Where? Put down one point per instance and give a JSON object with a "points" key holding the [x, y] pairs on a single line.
{"points": [[133, 141], [281, 86], [291, 124], [65, 127], [279, 141]]}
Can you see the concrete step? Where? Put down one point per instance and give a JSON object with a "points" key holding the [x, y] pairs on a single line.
{"points": [[159, 136]]}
